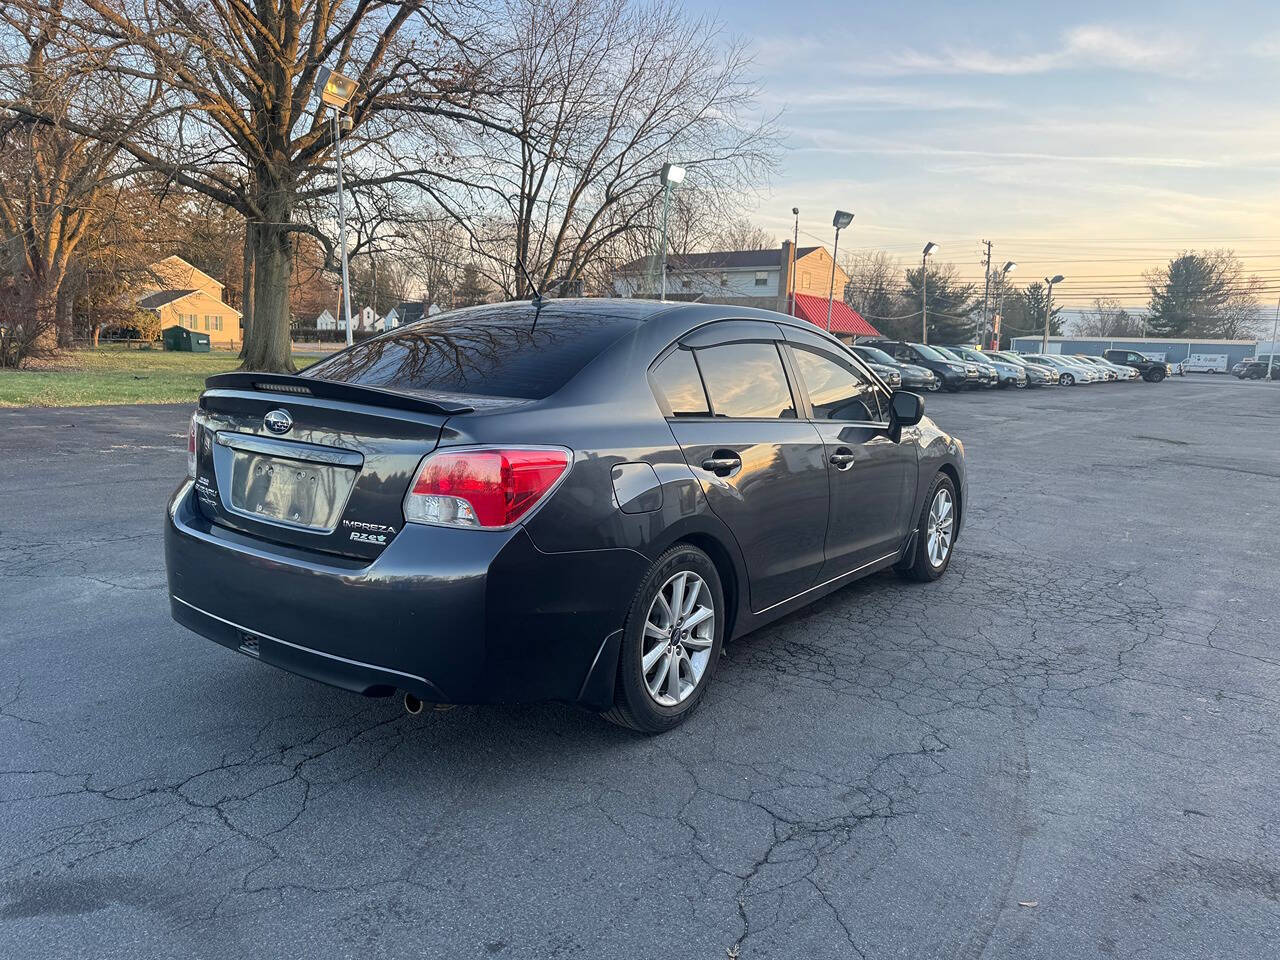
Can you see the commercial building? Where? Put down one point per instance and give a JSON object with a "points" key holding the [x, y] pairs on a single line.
{"points": [[1217, 355]]}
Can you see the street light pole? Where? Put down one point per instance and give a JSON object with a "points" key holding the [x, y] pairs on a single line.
{"points": [[924, 291], [671, 176], [337, 91], [1048, 311], [342, 221], [839, 221], [1008, 268], [791, 269]]}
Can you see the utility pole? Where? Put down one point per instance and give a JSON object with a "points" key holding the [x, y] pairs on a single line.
{"points": [[986, 293]]}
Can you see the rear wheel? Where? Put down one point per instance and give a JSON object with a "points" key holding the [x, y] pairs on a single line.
{"points": [[671, 642], [935, 533]]}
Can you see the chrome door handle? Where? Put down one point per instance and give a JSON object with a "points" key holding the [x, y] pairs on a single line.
{"points": [[841, 459], [721, 464]]}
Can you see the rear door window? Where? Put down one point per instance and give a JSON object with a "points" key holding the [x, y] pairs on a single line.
{"points": [[746, 380], [836, 390], [680, 385]]}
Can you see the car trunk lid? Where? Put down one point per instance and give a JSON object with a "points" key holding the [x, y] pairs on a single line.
{"points": [[312, 463]]}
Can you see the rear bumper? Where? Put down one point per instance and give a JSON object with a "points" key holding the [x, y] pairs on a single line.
{"points": [[452, 616]]}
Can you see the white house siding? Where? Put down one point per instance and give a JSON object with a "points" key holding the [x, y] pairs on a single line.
{"points": [[740, 283]]}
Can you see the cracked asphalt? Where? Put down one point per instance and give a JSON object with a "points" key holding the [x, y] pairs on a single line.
{"points": [[1065, 748]]}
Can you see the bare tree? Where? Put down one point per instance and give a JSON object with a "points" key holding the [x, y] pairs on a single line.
{"points": [[597, 95], [875, 285], [50, 174], [1108, 319], [240, 123]]}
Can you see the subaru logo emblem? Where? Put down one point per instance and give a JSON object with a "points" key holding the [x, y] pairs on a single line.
{"points": [[278, 421]]}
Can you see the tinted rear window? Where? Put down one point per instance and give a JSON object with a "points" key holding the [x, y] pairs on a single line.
{"points": [[496, 351]]}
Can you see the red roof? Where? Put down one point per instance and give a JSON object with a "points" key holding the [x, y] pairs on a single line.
{"points": [[844, 319]]}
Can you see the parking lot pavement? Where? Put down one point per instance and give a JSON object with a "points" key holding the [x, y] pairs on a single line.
{"points": [[1066, 748]]}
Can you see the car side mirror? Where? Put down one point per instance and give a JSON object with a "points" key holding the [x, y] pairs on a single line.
{"points": [[905, 410]]}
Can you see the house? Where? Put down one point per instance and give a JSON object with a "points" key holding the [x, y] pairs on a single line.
{"points": [[753, 278], [410, 311], [366, 319], [185, 296]]}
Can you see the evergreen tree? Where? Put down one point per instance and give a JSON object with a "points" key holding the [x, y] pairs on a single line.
{"points": [[951, 305], [473, 288]]}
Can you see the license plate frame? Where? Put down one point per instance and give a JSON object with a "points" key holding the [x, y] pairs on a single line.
{"points": [[282, 486]]}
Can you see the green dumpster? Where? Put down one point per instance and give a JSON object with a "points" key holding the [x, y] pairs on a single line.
{"points": [[189, 341]]}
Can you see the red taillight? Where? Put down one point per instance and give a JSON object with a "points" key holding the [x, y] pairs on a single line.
{"points": [[490, 487], [191, 448]]}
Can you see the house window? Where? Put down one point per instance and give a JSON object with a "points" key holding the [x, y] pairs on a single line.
{"points": [[207, 318], [762, 278]]}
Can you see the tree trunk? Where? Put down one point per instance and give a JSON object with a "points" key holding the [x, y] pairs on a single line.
{"points": [[267, 345], [64, 316], [42, 339], [246, 288]]}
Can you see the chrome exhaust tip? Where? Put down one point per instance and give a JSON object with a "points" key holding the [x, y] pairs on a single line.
{"points": [[412, 705]]}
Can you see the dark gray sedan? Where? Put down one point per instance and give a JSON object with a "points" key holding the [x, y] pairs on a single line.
{"points": [[578, 500]]}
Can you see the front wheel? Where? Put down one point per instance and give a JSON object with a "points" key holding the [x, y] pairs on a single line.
{"points": [[934, 386], [935, 533], [1066, 380], [1155, 376], [670, 643]]}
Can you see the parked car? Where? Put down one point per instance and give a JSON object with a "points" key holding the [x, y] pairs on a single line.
{"points": [[1069, 373], [1038, 374], [1256, 370], [987, 376], [1110, 373], [1008, 374], [1237, 367], [952, 374], [913, 377], [579, 500], [1122, 372], [1153, 371]]}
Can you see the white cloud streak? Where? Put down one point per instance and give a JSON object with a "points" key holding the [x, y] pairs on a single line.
{"points": [[1093, 46]]}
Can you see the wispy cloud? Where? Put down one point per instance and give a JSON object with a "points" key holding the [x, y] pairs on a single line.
{"points": [[1268, 46], [1082, 47], [876, 97]]}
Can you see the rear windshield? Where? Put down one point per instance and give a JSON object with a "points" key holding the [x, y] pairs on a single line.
{"points": [[927, 352], [875, 355], [496, 351]]}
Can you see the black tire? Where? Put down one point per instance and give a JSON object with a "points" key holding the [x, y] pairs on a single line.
{"points": [[918, 566], [1067, 380], [1154, 376], [633, 706]]}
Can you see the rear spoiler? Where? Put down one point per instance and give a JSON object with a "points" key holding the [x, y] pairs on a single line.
{"points": [[333, 390]]}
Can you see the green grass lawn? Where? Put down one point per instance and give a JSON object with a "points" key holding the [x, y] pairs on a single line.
{"points": [[118, 375]]}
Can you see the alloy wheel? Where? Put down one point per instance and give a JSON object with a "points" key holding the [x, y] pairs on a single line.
{"points": [[679, 632], [940, 527]]}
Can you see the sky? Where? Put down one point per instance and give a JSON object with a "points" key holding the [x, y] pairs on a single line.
{"points": [[1089, 139]]}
